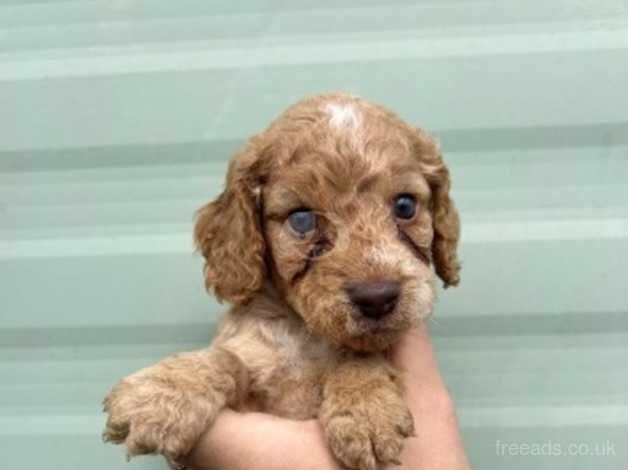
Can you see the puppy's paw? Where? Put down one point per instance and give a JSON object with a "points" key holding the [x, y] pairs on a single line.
{"points": [[350, 441], [151, 415], [367, 435]]}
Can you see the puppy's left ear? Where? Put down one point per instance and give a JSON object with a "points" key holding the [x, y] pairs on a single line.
{"points": [[228, 233], [445, 219]]}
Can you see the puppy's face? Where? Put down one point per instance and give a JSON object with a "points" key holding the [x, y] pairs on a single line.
{"points": [[345, 209]]}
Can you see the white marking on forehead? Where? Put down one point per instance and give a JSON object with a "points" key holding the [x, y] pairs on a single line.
{"points": [[342, 115]]}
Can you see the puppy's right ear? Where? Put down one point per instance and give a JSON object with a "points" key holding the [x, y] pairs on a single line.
{"points": [[229, 235]]}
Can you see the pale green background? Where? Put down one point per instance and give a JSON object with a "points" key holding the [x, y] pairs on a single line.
{"points": [[116, 120]]}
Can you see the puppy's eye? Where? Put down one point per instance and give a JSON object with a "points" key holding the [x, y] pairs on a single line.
{"points": [[404, 206], [302, 221]]}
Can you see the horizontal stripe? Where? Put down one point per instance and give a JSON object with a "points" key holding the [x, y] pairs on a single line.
{"points": [[337, 52]]}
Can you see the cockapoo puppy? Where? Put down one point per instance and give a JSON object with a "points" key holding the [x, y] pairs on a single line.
{"points": [[325, 241]]}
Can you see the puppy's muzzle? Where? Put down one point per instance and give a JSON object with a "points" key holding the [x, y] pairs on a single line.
{"points": [[374, 299]]}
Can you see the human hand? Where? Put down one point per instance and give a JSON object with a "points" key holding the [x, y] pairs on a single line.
{"points": [[241, 441], [438, 445]]}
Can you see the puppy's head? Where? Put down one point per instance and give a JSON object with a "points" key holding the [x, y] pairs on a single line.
{"points": [[345, 209]]}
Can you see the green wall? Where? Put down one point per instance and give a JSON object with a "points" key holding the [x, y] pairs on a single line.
{"points": [[116, 121]]}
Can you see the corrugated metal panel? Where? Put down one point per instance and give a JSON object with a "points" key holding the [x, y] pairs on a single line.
{"points": [[117, 118]]}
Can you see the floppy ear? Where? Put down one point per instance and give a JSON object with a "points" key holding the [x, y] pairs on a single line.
{"points": [[446, 231], [445, 219], [228, 234]]}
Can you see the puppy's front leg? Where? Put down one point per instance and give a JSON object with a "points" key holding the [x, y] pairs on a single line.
{"points": [[364, 414], [165, 408]]}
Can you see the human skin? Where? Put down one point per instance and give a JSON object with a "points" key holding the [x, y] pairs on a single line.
{"points": [[241, 441]]}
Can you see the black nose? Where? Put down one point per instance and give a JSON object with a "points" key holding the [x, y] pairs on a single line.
{"points": [[374, 299]]}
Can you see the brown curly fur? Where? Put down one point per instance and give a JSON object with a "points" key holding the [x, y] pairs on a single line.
{"points": [[292, 343]]}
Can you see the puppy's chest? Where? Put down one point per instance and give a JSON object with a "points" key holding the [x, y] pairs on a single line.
{"points": [[292, 386]]}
